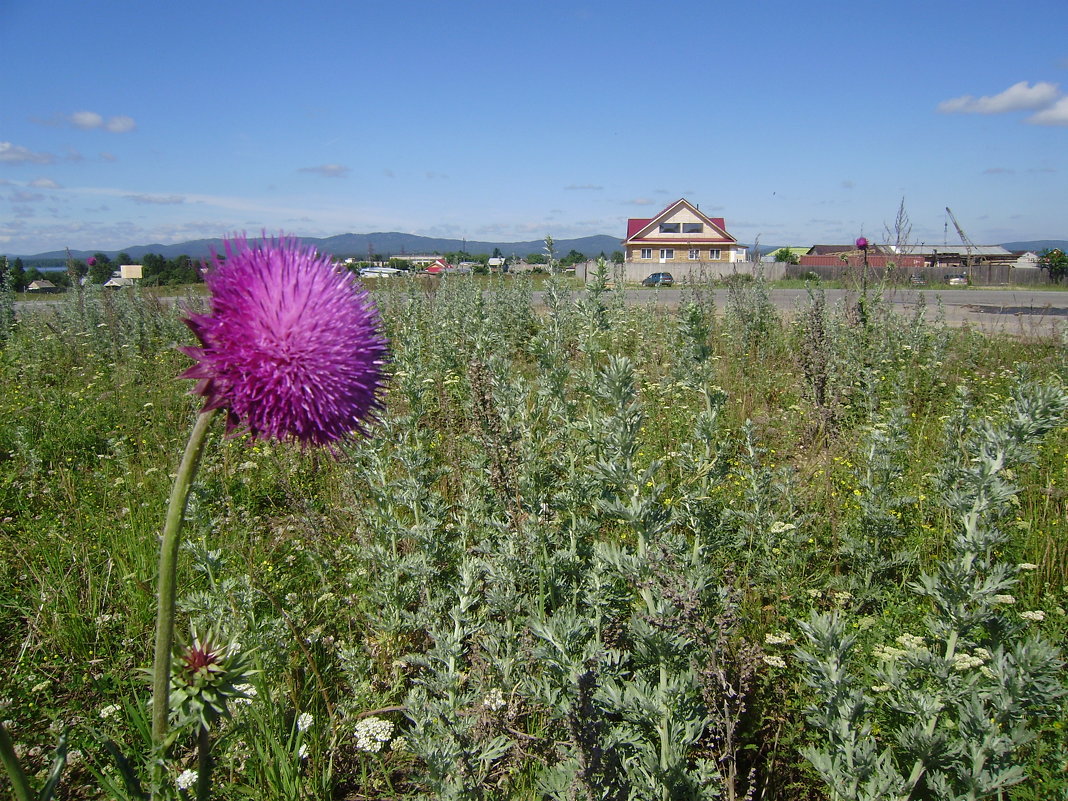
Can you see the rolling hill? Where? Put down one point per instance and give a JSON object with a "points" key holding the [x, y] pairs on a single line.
{"points": [[359, 245]]}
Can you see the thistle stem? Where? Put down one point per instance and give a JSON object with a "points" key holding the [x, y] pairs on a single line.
{"points": [[204, 764], [20, 787], [168, 568]]}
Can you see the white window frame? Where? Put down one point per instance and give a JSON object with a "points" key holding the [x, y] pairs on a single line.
{"points": [[667, 254], [693, 228], [647, 253], [714, 254], [695, 254]]}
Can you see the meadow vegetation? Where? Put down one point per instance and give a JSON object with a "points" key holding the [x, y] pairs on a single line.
{"points": [[591, 550]]}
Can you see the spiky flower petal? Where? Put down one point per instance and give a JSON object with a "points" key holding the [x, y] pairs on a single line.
{"points": [[292, 347]]}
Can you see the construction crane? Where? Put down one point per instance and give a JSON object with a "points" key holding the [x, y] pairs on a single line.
{"points": [[968, 246]]}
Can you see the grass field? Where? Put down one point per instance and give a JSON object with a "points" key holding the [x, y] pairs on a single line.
{"points": [[590, 550]]}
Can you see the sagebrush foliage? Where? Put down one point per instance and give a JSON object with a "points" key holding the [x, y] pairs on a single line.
{"points": [[571, 558]]}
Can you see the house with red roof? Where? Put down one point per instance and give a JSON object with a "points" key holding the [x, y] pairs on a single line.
{"points": [[681, 235]]}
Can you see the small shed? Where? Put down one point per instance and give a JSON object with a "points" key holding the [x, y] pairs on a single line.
{"points": [[42, 285]]}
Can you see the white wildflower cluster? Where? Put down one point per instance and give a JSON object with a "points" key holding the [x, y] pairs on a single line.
{"points": [[494, 700], [248, 692], [186, 779], [910, 642], [779, 527], [1027, 566], [1004, 599], [888, 653], [302, 752], [780, 638], [1036, 615], [372, 733], [775, 661], [880, 688], [109, 711], [305, 721], [842, 597], [962, 662]]}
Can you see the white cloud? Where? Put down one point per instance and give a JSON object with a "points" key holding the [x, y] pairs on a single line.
{"points": [[26, 197], [582, 187], [86, 120], [90, 120], [1018, 97], [45, 183], [120, 124], [16, 154], [1057, 114], [156, 200], [328, 170]]}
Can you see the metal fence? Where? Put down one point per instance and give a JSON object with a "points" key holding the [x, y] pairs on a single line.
{"points": [[980, 275]]}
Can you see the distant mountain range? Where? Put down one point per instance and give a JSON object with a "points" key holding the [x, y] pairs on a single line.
{"points": [[360, 246], [385, 244]]}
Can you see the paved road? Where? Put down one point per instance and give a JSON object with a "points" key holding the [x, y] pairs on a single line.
{"points": [[1011, 310]]}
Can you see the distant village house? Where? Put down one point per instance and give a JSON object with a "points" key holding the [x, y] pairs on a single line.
{"points": [[681, 235]]}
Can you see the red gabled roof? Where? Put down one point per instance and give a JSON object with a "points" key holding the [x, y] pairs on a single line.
{"points": [[635, 225]]}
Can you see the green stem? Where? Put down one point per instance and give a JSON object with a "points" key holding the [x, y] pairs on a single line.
{"points": [[19, 783], [168, 569], [204, 764]]}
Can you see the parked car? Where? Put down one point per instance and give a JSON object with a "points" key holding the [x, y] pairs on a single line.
{"points": [[961, 279], [659, 279]]}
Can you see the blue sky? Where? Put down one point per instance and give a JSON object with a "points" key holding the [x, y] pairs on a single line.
{"points": [[128, 123]]}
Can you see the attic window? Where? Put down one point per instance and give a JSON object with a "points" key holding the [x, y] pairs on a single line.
{"points": [[669, 228], [693, 228]]}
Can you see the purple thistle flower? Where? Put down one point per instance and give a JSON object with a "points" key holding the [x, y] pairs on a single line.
{"points": [[292, 347]]}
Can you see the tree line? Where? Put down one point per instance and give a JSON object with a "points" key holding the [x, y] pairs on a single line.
{"points": [[156, 270]]}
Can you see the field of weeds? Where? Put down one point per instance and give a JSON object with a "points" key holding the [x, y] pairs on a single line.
{"points": [[592, 550]]}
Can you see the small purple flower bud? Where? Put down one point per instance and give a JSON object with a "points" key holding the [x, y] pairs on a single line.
{"points": [[862, 243]]}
